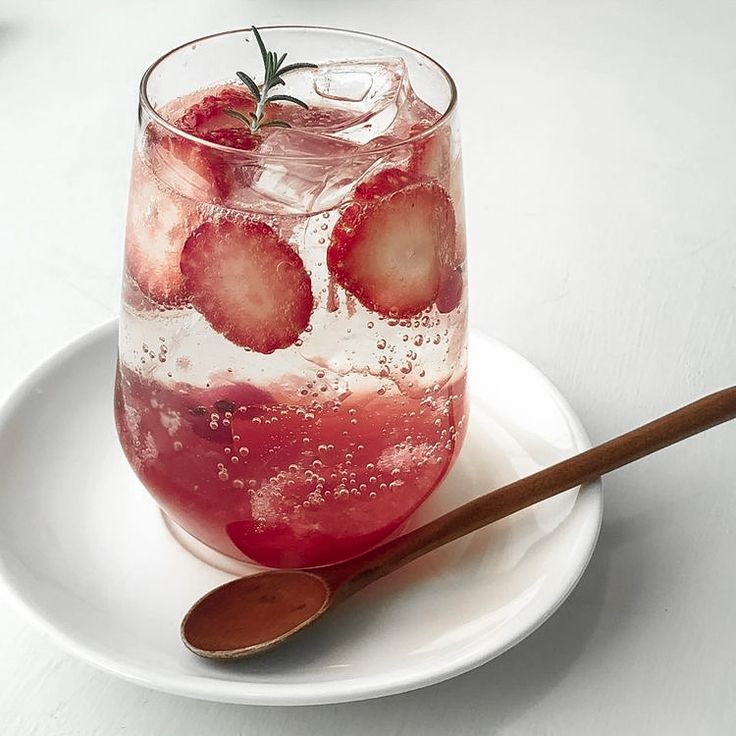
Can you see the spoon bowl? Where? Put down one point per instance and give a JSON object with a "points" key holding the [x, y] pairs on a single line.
{"points": [[253, 614]]}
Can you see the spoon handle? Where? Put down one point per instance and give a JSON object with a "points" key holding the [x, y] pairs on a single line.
{"points": [[703, 414]]}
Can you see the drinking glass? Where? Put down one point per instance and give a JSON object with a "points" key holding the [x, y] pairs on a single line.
{"points": [[292, 351]]}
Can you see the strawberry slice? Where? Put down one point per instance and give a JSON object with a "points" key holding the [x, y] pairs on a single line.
{"points": [[388, 251], [205, 173], [248, 284], [159, 222], [207, 118], [209, 113]]}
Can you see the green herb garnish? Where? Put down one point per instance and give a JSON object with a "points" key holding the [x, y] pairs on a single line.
{"points": [[272, 77]]}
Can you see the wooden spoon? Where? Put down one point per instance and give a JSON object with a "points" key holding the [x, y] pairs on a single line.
{"points": [[255, 613]]}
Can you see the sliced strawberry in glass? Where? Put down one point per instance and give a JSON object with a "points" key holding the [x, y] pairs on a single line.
{"points": [[159, 222], [250, 285], [388, 251]]}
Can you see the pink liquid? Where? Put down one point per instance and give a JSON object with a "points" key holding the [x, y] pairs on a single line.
{"points": [[282, 484]]}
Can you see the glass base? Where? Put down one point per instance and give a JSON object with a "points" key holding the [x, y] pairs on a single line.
{"points": [[208, 555], [229, 564]]}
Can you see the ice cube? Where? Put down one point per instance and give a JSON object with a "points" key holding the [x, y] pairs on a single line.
{"points": [[345, 85], [355, 100], [306, 171]]}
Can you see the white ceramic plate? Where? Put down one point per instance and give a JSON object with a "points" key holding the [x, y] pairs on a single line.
{"points": [[85, 552]]}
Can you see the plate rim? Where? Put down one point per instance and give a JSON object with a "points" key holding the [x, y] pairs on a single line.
{"points": [[295, 694]]}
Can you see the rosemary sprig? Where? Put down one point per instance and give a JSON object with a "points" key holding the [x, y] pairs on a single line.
{"points": [[274, 71]]}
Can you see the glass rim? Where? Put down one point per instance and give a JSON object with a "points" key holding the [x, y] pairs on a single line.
{"points": [[161, 121]]}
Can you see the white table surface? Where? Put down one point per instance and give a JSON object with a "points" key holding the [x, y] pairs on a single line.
{"points": [[601, 197]]}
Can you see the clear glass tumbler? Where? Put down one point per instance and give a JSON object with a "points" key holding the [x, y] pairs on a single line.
{"points": [[292, 354]]}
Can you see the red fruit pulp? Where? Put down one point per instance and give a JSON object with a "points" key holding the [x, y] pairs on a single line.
{"points": [[287, 485]]}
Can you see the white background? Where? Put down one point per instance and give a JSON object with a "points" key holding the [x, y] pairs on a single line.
{"points": [[601, 192]]}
